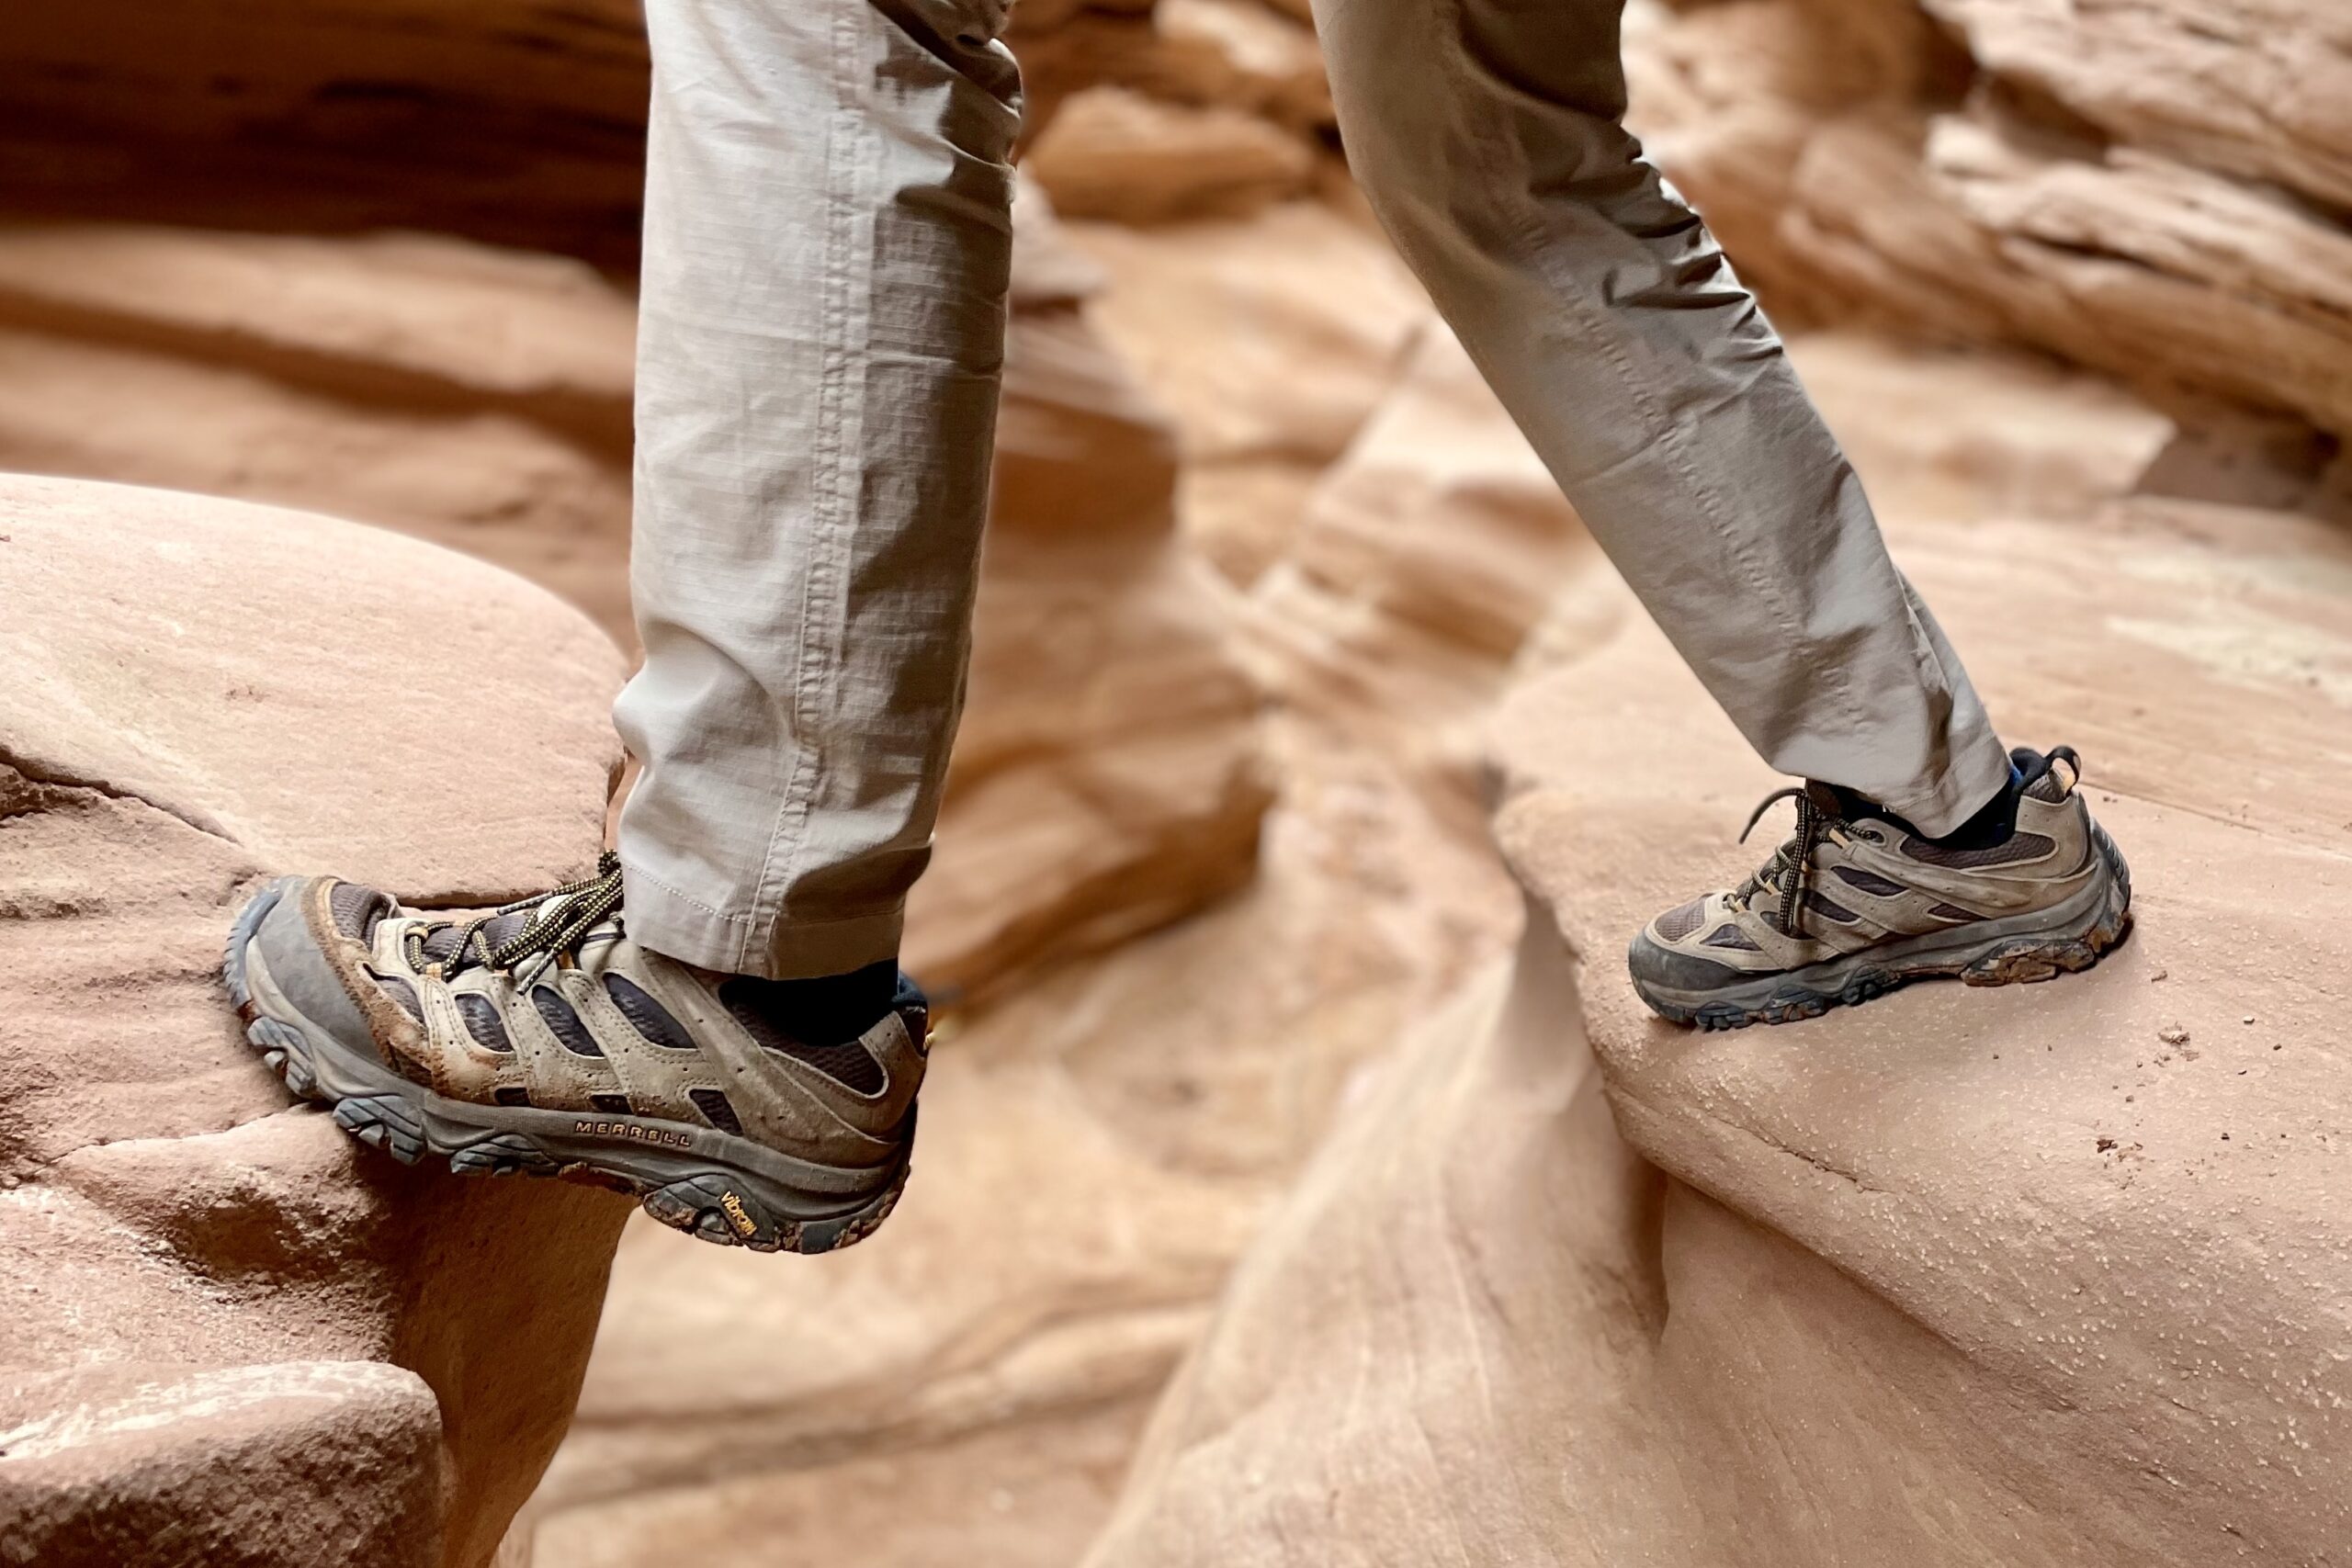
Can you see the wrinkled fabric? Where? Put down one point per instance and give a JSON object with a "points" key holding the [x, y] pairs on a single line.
{"points": [[1486, 135], [827, 249], [828, 246]]}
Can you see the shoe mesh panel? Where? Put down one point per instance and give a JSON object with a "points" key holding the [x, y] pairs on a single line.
{"points": [[716, 1110], [443, 941], [2015, 848], [611, 1104], [847, 1063], [514, 1095], [357, 909], [1677, 924], [483, 1023], [1868, 881], [647, 1016], [1954, 912], [1732, 936], [564, 1024], [400, 991]]}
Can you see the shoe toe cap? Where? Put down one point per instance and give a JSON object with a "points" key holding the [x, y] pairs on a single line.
{"points": [[1652, 963], [290, 968]]}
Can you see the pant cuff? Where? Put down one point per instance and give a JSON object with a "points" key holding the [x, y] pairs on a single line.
{"points": [[661, 918], [1977, 774]]}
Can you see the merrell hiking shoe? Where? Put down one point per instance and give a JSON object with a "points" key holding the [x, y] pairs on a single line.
{"points": [[1859, 903], [541, 1039]]}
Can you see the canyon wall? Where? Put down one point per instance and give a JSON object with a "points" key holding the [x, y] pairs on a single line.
{"points": [[1264, 561]]}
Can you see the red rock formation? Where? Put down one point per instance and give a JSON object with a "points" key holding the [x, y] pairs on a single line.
{"points": [[231, 1333]]}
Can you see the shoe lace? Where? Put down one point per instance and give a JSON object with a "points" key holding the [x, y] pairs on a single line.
{"points": [[591, 901], [1791, 867]]}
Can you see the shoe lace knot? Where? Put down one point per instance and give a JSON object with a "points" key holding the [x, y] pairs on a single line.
{"points": [[1791, 867], [559, 918]]}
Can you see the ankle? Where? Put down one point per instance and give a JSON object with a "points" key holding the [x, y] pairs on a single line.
{"points": [[1992, 823], [824, 1011]]}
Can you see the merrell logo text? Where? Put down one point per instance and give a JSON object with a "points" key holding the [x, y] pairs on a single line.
{"points": [[635, 1133]]}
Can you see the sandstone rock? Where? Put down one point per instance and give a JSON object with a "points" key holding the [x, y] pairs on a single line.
{"points": [[1025, 1495], [1955, 435], [222, 1466], [1240, 53], [478, 398], [519, 122], [539, 333], [2155, 191], [1427, 554], [1270, 341], [1271, 337], [1114, 153], [2154, 272], [1727, 97], [232, 1335], [2256, 90], [1988, 1250]]}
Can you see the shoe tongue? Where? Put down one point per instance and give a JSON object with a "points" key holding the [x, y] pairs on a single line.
{"points": [[1831, 800]]}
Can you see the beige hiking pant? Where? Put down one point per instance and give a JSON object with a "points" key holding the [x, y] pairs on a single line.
{"points": [[826, 242]]}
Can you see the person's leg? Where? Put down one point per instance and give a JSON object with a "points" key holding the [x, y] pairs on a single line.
{"points": [[714, 1020], [828, 243], [1486, 134]]}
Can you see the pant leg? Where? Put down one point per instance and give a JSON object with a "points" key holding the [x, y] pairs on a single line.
{"points": [[1486, 134], [828, 243]]}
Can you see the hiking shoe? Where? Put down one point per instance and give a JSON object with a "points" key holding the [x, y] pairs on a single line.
{"points": [[541, 1039], [1857, 903]]}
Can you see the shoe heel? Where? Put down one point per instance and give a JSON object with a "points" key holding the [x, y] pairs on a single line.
{"points": [[2026, 959]]}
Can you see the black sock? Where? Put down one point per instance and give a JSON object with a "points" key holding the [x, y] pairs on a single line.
{"points": [[1993, 823], [823, 1011]]}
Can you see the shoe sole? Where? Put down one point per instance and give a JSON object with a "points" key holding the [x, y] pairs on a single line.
{"points": [[2016, 949], [709, 1183]]}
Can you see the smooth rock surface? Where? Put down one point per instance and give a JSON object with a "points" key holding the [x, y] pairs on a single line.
{"points": [[1268, 340], [1426, 555], [478, 398], [1119, 154], [232, 1334], [1960, 1277]]}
